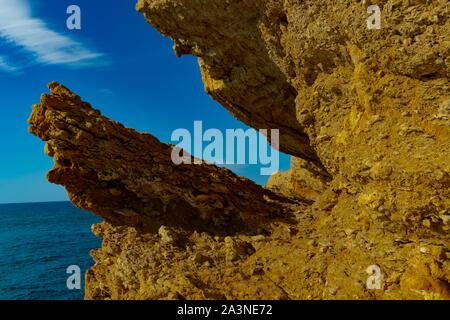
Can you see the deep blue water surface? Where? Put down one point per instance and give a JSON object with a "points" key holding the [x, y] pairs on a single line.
{"points": [[38, 241]]}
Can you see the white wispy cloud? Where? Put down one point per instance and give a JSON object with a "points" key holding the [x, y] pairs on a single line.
{"points": [[5, 66], [20, 29]]}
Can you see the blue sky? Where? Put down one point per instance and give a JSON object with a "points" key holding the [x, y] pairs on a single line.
{"points": [[117, 62]]}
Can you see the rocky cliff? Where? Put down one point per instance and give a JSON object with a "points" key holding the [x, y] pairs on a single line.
{"points": [[365, 114]]}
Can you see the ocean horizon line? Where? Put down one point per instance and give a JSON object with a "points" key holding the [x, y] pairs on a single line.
{"points": [[33, 202]]}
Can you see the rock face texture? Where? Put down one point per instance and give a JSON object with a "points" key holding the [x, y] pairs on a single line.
{"points": [[148, 203], [365, 114], [365, 98], [304, 180]]}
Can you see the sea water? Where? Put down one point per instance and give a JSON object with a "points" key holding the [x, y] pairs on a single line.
{"points": [[38, 242]]}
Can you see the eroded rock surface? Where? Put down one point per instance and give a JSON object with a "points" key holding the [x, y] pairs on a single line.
{"points": [[372, 103], [365, 113], [128, 178], [305, 180], [123, 175]]}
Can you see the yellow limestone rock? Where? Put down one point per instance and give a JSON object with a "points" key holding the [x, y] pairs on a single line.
{"points": [[365, 113]]}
